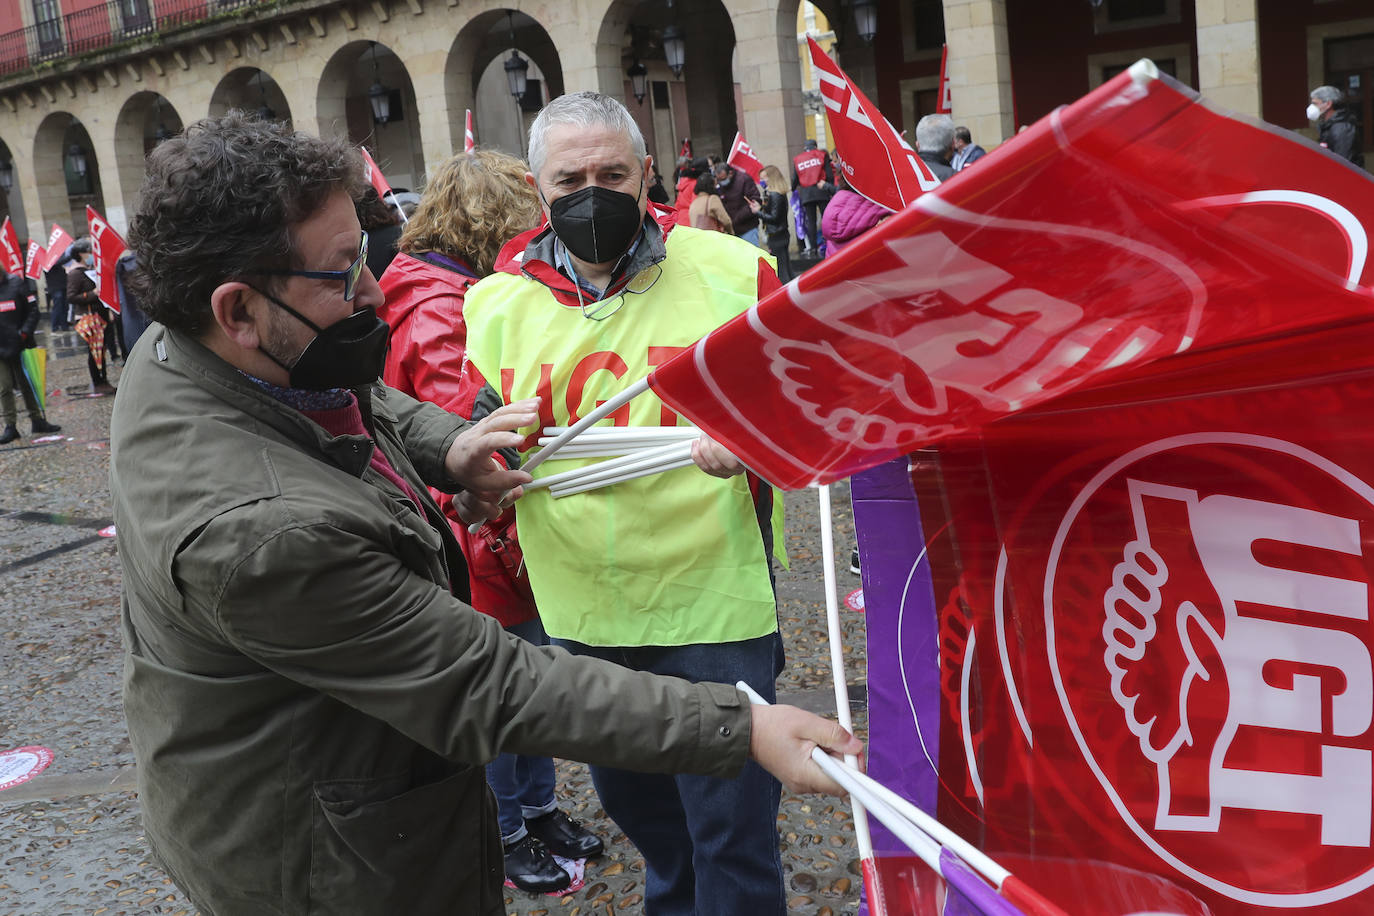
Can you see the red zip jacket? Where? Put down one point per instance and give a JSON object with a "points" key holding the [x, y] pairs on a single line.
{"points": [[424, 306]]}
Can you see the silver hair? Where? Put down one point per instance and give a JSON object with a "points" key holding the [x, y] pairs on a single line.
{"points": [[586, 110], [935, 133], [1328, 94]]}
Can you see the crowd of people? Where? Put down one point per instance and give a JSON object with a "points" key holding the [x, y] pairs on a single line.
{"points": [[353, 648]]}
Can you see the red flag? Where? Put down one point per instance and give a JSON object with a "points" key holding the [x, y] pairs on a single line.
{"points": [[33, 264], [14, 255], [58, 240], [743, 158], [686, 148], [469, 143], [107, 246], [877, 162], [946, 104], [374, 174], [1112, 234]]}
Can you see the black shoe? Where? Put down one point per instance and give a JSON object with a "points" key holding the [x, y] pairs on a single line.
{"points": [[854, 561], [564, 836], [530, 867], [43, 426], [9, 435]]}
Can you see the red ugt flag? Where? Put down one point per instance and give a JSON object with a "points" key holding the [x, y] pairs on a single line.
{"points": [[743, 158], [14, 256], [33, 264], [877, 162], [1114, 233], [58, 241], [374, 174], [107, 246], [469, 142]]}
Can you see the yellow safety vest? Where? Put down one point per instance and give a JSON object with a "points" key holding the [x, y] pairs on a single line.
{"points": [[667, 560]]}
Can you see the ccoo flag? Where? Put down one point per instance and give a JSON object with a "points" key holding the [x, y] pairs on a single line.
{"points": [[373, 174], [876, 161], [743, 158], [58, 242], [1113, 233], [14, 255], [107, 246], [34, 260]]}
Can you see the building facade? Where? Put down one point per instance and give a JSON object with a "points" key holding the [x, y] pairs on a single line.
{"points": [[88, 87]]}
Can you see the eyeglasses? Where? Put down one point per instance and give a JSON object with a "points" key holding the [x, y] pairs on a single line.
{"points": [[349, 275]]}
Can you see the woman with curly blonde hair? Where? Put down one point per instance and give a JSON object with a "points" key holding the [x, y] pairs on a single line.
{"points": [[474, 204]]}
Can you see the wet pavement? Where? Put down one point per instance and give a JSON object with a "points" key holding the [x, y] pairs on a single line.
{"points": [[70, 838]]}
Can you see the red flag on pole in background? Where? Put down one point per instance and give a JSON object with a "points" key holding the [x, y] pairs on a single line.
{"points": [[58, 241], [743, 158], [373, 174], [946, 104], [469, 142], [877, 162], [107, 246], [1113, 233], [33, 263], [14, 255], [686, 148]]}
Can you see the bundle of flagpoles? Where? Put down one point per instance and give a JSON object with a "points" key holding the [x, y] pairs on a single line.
{"points": [[635, 451]]}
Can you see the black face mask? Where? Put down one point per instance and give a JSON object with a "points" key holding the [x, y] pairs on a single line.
{"points": [[349, 353], [596, 224]]}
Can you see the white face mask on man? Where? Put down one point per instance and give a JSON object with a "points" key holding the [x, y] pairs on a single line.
{"points": [[1313, 112]]}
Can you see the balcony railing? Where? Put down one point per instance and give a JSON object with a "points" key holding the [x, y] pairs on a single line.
{"points": [[109, 24]]}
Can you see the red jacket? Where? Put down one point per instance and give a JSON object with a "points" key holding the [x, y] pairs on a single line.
{"points": [[686, 190], [424, 306]]}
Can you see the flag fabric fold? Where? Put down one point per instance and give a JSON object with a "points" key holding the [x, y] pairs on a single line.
{"points": [[34, 260], [373, 174], [13, 254], [876, 161], [107, 246], [743, 158], [469, 142], [1113, 233], [58, 242]]}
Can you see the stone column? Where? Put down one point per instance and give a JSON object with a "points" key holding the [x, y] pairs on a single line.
{"points": [[770, 80], [980, 67], [1228, 54]]}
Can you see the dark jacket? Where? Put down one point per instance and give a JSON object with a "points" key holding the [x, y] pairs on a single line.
{"points": [[938, 164], [774, 215], [736, 197], [131, 315], [381, 248], [18, 316], [81, 294], [1340, 133], [309, 703]]}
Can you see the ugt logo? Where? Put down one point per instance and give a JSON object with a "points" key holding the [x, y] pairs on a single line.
{"points": [[1208, 607]]}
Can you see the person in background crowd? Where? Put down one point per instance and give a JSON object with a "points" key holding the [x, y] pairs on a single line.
{"points": [[741, 198], [18, 319], [707, 210], [669, 573], [1337, 127], [848, 216], [774, 217], [813, 176], [131, 314], [965, 150], [55, 285], [474, 204], [92, 322], [382, 223], [308, 701], [935, 144], [688, 171]]}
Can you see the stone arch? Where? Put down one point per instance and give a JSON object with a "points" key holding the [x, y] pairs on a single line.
{"points": [[59, 200], [344, 109], [249, 88], [12, 201], [476, 59], [702, 103], [145, 119]]}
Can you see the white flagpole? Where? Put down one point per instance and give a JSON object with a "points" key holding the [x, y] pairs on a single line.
{"points": [[832, 620]]}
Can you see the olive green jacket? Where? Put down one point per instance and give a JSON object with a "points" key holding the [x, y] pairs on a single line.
{"points": [[309, 704]]}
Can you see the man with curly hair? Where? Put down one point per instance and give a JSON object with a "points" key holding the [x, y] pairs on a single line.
{"points": [[309, 698]]}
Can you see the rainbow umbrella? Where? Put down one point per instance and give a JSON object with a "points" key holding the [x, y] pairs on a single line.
{"points": [[34, 362]]}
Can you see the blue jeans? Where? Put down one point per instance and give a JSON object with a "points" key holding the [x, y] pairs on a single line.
{"points": [[57, 299], [752, 236], [523, 785], [710, 845]]}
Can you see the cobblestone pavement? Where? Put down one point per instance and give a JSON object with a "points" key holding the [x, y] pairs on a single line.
{"points": [[70, 839]]}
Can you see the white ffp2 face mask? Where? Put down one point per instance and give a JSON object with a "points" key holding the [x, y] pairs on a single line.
{"points": [[1313, 112]]}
